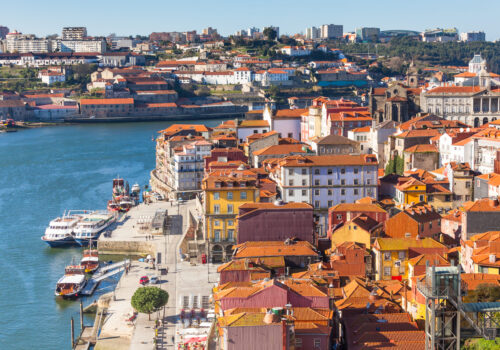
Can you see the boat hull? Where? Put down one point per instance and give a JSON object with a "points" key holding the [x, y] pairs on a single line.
{"points": [[65, 242]]}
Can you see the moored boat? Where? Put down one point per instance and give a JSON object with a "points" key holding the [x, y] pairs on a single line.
{"points": [[90, 260], [91, 226], [59, 233], [72, 283]]}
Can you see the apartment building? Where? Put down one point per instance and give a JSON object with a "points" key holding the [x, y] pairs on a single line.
{"points": [[74, 33], [324, 181]]}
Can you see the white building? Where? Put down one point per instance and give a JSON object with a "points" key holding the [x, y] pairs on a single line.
{"points": [[295, 51], [313, 33], [187, 168], [472, 36], [97, 45], [243, 75], [379, 134], [51, 77], [24, 43], [249, 127], [287, 122], [362, 136], [324, 181]]}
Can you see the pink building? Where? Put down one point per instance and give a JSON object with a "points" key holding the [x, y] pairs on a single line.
{"points": [[275, 222]]}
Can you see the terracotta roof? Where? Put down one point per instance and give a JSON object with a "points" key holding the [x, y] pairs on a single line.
{"points": [[273, 248], [406, 243], [281, 150], [484, 204], [455, 90], [425, 148], [290, 113], [107, 101], [419, 133], [253, 123], [363, 129], [357, 207], [328, 160], [175, 128]]}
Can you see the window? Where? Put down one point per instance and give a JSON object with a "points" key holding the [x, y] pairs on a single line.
{"points": [[230, 195], [401, 255], [342, 192], [330, 171], [339, 216], [368, 181], [216, 195], [304, 171], [387, 256], [342, 171], [330, 204], [387, 271], [356, 182], [356, 191], [317, 342], [290, 192], [316, 204], [316, 182], [316, 192], [217, 235], [402, 269], [304, 182], [330, 182], [230, 223], [356, 170], [430, 198], [216, 223], [216, 209], [290, 182], [421, 198], [342, 182], [304, 192], [467, 197], [316, 171], [230, 235], [290, 171], [430, 225], [230, 208], [243, 195], [330, 192]]}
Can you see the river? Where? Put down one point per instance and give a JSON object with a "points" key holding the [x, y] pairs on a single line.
{"points": [[43, 172]]}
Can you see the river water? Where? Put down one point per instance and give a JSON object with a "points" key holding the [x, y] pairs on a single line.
{"points": [[43, 172]]}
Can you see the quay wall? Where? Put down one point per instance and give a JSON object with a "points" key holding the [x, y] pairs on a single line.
{"points": [[126, 247]]}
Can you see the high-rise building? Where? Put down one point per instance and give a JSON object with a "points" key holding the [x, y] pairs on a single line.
{"points": [[367, 33], [74, 33], [3, 32], [313, 33], [97, 45], [331, 31]]}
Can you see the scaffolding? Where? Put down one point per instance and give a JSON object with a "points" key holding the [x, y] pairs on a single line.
{"points": [[443, 290]]}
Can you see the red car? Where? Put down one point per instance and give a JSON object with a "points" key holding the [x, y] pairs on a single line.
{"points": [[144, 280]]}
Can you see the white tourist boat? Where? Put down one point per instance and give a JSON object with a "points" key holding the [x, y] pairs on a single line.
{"points": [[59, 233], [91, 226]]}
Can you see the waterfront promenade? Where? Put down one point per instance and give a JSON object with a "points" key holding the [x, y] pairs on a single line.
{"points": [[183, 279]]}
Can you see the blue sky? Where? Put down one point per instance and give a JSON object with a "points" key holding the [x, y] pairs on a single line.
{"points": [[127, 17]]}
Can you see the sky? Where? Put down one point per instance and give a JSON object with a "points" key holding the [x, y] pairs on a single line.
{"points": [[125, 17]]}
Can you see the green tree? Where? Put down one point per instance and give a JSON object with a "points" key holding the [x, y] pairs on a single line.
{"points": [[149, 299], [269, 33]]}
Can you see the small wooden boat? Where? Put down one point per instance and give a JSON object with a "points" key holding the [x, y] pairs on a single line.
{"points": [[90, 260], [72, 283]]}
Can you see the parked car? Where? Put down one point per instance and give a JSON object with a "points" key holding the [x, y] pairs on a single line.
{"points": [[144, 280], [154, 280]]}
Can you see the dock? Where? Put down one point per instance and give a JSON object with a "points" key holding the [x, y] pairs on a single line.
{"points": [[102, 273]]}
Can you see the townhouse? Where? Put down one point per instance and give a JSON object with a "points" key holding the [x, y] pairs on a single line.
{"points": [[223, 192], [324, 181], [416, 221]]}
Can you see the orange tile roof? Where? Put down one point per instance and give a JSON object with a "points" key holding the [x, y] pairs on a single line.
{"points": [[328, 160], [273, 248], [455, 90], [363, 129], [106, 101], [425, 148], [484, 204], [290, 113], [253, 123], [175, 128], [281, 149], [361, 207]]}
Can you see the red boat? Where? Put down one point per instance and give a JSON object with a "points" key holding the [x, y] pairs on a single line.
{"points": [[121, 201]]}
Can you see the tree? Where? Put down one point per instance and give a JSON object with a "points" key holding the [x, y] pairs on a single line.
{"points": [[270, 33], [484, 293], [149, 299]]}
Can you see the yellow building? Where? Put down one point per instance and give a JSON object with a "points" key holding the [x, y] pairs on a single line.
{"points": [[361, 229], [391, 255], [224, 191], [412, 191]]}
